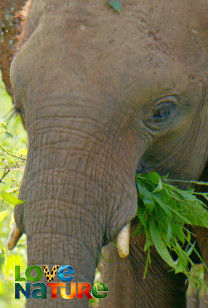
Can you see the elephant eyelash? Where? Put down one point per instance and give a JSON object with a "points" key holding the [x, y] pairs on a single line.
{"points": [[162, 112]]}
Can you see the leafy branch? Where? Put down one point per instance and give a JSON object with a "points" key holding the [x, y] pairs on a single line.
{"points": [[13, 147], [164, 211]]}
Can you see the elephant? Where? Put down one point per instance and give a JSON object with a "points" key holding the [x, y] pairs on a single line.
{"points": [[9, 28], [104, 95]]}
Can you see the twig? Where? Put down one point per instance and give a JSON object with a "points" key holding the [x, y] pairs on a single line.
{"points": [[4, 175], [24, 159], [186, 181]]}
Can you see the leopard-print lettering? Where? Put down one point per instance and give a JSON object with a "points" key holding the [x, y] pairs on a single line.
{"points": [[50, 277]]}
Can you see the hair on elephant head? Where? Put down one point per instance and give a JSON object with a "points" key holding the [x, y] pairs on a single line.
{"points": [[102, 95]]}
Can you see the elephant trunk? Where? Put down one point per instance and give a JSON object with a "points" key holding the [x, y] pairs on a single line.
{"points": [[76, 199], [59, 230]]}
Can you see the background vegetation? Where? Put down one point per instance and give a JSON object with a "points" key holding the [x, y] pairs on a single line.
{"points": [[13, 149]]}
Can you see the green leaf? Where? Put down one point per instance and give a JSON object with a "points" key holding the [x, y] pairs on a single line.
{"points": [[9, 198], [116, 5], [149, 204], [153, 177], [10, 263], [3, 289], [160, 245], [143, 192], [159, 187], [3, 215], [141, 215], [2, 249], [169, 234]]}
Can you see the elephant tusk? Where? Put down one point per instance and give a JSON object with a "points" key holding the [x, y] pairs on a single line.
{"points": [[100, 266], [123, 241], [14, 236]]}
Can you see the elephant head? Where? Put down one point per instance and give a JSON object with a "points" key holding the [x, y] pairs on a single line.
{"points": [[102, 95]]}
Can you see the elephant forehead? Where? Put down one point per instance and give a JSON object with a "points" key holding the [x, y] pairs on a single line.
{"points": [[86, 45], [158, 40], [178, 28], [147, 34]]}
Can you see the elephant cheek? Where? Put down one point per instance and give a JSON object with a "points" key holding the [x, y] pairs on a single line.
{"points": [[122, 214]]}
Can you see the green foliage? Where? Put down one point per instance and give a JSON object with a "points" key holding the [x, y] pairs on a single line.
{"points": [[12, 161], [116, 5], [164, 211]]}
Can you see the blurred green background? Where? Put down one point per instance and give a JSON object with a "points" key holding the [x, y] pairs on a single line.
{"points": [[13, 150]]}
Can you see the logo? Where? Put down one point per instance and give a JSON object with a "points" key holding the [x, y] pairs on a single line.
{"points": [[67, 288]]}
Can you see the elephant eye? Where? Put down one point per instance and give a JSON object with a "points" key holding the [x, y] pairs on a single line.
{"points": [[162, 112]]}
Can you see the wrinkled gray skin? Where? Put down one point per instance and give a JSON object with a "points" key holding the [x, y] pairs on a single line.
{"points": [[91, 86]]}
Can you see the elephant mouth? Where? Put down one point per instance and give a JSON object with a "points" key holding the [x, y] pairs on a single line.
{"points": [[123, 239]]}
